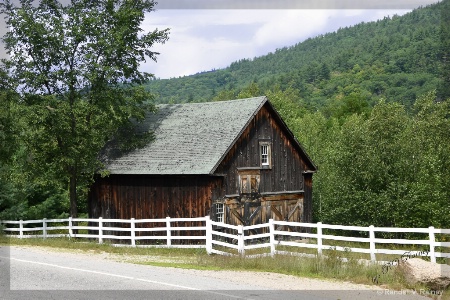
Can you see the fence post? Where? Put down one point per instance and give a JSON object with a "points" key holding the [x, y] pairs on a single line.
{"points": [[272, 237], [432, 243], [319, 238], [372, 243], [70, 227], [21, 228], [208, 245], [169, 232], [240, 235], [44, 228], [133, 234], [100, 230]]}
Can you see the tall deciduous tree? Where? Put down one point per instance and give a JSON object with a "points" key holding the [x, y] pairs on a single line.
{"points": [[7, 129], [391, 168], [76, 68], [8, 143]]}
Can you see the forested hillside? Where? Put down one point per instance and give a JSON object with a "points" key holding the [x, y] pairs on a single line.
{"points": [[396, 58]]}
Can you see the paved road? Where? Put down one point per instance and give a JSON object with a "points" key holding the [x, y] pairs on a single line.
{"points": [[28, 273]]}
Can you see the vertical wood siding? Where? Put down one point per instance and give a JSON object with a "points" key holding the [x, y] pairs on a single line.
{"points": [[285, 175], [287, 169], [308, 198], [152, 197]]}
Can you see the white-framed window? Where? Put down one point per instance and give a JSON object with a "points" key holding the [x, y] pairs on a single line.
{"points": [[265, 154], [219, 212]]}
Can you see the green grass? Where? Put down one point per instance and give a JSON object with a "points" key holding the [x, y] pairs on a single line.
{"points": [[94, 246], [329, 244]]}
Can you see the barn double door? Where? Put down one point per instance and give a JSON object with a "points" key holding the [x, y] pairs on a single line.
{"points": [[248, 213]]}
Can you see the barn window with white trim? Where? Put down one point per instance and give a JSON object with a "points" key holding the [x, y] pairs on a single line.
{"points": [[265, 154], [219, 212]]}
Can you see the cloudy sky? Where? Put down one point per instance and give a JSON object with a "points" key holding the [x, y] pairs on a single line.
{"points": [[205, 39], [211, 34]]}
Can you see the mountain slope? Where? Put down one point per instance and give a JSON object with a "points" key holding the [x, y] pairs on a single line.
{"points": [[397, 58]]}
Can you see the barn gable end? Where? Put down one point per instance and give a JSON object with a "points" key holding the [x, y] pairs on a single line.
{"points": [[281, 187]]}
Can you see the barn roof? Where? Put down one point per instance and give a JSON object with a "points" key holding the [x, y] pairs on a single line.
{"points": [[190, 138]]}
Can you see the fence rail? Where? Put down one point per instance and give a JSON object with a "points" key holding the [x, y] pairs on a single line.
{"points": [[226, 239]]}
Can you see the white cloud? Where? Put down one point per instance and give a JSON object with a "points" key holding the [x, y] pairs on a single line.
{"points": [[188, 55], [193, 45], [286, 26]]}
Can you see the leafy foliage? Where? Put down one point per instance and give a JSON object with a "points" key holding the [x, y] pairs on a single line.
{"points": [[76, 70], [389, 169]]}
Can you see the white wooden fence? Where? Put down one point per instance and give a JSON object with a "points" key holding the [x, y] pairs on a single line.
{"points": [[217, 237]]}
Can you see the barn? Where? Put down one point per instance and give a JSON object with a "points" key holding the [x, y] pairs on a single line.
{"points": [[236, 161]]}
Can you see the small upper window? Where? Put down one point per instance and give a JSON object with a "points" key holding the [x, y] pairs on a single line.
{"points": [[264, 148], [265, 155]]}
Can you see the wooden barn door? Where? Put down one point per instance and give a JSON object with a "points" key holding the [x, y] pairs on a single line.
{"points": [[289, 210], [246, 214]]}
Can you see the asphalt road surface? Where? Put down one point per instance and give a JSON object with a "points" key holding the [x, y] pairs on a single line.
{"points": [[32, 273]]}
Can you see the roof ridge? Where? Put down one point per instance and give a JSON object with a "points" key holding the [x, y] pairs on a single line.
{"points": [[214, 102]]}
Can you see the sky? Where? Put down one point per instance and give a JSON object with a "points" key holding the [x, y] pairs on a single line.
{"points": [[211, 34], [206, 39]]}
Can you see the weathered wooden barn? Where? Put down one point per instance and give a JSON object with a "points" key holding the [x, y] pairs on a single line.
{"points": [[236, 161]]}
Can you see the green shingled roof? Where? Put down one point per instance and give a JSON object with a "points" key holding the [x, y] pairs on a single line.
{"points": [[189, 138]]}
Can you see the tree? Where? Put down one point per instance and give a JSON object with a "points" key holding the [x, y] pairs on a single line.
{"points": [[76, 68], [7, 128], [224, 95], [428, 147], [391, 168], [444, 52], [251, 90], [355, 103], [8, 143]]}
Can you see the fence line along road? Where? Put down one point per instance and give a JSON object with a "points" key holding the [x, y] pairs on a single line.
{"points": [[225, 239]]}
